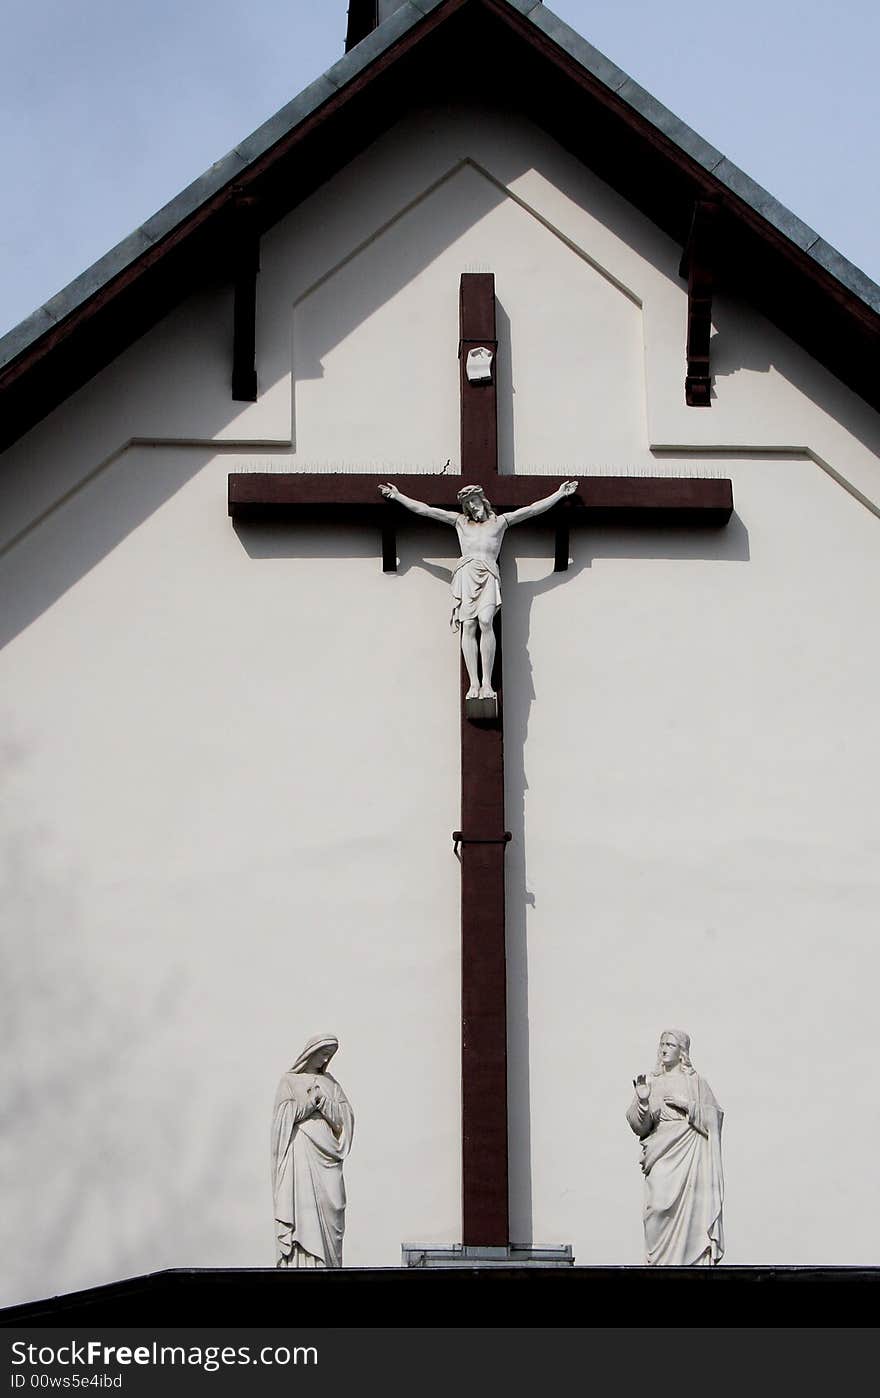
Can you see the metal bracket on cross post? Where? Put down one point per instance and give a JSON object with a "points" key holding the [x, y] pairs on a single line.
{"points": [[459, 839]]}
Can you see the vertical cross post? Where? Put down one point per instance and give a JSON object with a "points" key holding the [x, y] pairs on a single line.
{"points": [[485, 1216]]}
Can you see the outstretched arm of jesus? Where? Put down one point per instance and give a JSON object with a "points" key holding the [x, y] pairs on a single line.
{"points": [[418, 507], [529, 511]]}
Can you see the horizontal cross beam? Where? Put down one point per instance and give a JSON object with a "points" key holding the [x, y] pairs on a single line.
{"points": [[661, 500], [340, 498]]}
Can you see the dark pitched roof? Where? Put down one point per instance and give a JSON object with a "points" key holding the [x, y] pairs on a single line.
{"points": [[484, 47]]}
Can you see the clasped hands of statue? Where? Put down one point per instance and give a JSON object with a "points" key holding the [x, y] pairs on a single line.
{"points": [[316, 1098], [643, 1093]]}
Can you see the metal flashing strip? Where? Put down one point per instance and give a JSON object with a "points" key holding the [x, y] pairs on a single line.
{"points": [[515, 1255]]}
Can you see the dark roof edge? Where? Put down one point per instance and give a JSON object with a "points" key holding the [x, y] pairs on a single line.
{"points": [[411, 13]]}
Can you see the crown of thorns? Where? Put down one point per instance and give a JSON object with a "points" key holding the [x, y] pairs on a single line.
{"points": [[467, 491]]}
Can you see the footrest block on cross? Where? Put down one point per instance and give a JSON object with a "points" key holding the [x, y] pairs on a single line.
{"points": [[481, 710]]}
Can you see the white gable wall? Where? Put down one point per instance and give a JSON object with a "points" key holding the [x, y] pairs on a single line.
{"points": [[231, 758]]}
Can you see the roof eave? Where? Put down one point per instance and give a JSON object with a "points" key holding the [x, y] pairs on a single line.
{"points": [[296, 127]]}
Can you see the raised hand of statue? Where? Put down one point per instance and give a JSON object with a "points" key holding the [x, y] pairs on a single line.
{"points": [[643, 1091], [389, 491], [568, 487]]}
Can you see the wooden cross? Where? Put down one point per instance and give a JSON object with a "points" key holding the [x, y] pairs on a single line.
{"points": [[482, 838]]}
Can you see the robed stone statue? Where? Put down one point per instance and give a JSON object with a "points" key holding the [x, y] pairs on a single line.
{"points": [[678, 1122], [312, 1128], [476, 581]]}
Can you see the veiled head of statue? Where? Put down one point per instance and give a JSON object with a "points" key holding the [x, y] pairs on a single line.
{"points": [[316, 1054]]}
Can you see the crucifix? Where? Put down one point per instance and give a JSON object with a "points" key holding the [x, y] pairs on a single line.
{"points": [[481, 841]]}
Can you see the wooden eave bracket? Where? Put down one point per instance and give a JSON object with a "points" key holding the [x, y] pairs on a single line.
{"points": [[245, 267], [698, 264]]}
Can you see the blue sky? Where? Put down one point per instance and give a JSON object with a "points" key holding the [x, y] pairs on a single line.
{"points": [[110, 107]]}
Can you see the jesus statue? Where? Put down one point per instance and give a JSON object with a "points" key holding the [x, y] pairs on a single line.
{"points": [[678, 1121], [476, 582]]}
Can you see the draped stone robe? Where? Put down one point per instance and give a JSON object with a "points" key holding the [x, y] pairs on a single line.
{"points": [[308, 1148], [681, 1161]]}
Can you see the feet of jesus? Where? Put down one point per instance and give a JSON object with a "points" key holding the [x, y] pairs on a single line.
{"points": [[474, 692], [485, 692]]}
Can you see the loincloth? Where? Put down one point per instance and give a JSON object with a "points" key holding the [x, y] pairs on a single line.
{"points": [[476, 586]]}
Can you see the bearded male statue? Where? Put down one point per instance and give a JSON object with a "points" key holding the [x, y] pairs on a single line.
{"points": [[678, 1121], [476, 581]]}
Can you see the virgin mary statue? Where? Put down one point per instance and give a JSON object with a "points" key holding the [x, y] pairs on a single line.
{"points": [[312, 1127], [678, 1121]]}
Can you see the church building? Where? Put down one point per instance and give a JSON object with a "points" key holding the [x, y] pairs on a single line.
{"points": [[257, 796]]}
